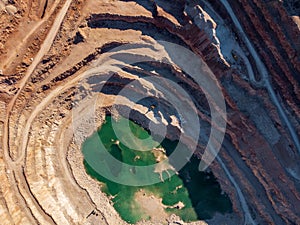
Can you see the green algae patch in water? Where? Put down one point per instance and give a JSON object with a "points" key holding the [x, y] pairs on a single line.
{"points": [[190, 194]]}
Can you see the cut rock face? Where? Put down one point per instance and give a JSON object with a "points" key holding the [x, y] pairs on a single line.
{"points": [[47, 48], [11, 9]]}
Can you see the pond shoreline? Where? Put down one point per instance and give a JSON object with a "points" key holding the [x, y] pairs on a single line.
{"points": [[111, 141]]}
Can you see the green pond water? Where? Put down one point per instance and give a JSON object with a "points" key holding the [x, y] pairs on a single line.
{"points": [[198, 191]]}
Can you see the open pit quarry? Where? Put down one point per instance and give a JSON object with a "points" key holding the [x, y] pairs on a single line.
{"points": [[52, 54]]}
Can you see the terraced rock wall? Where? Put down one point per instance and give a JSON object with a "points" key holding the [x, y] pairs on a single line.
{"points": [[48, 47]]}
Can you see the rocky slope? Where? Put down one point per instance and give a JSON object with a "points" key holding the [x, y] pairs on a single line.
{"points": [[43, 80]]}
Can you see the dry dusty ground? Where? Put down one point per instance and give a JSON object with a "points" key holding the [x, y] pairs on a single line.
{"points": [[50, 51]]}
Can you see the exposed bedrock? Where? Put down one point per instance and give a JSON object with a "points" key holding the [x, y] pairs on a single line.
{"points": [[43, 180]]}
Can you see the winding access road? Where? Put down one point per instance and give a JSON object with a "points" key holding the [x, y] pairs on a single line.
{"points": [[45, 47], [13, 166], [264, 74], [36, 27]]}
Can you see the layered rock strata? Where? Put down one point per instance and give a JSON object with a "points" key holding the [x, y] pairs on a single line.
{"points": [[43, 180]]}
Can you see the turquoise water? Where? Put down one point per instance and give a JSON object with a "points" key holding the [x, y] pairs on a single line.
{"points": [[199, 191]]}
